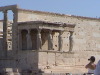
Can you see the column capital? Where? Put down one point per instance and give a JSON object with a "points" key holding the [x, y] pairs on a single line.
{"points": [[28, 30], [71, 33], [61, 32], [50, 31], [39, 30]]}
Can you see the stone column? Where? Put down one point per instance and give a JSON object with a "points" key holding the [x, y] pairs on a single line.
{"points": [[19, 40], [60, 40], [39, 42], [29, 41], [15, 30], [50, 40], [5, 21], [71, 41]]}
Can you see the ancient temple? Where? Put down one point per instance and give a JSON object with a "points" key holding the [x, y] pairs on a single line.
{"points": [[44, 42]]}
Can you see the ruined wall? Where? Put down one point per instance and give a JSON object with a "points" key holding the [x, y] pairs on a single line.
{"points": [[53, 61]]}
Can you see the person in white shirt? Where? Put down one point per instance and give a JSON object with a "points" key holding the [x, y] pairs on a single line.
{"points": [[91, 66]]}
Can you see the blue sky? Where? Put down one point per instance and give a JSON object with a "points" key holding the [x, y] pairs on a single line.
{"points": [[88, 8]]}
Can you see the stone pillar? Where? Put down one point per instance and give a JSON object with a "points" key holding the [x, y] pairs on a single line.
{"points": [[19, 40], [39, 42], [71, 41], [29, 41], [15, 30], [5, 21], [50, 40], [60, 40]]}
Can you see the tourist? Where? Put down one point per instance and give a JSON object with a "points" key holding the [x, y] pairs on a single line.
{"points": [[97, 70], [91, 66]]}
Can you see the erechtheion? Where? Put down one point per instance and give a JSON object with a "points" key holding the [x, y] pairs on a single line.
{"points": [[44, 42]]}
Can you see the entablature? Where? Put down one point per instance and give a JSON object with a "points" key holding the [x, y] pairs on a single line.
{"points": [[46, 25]]}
